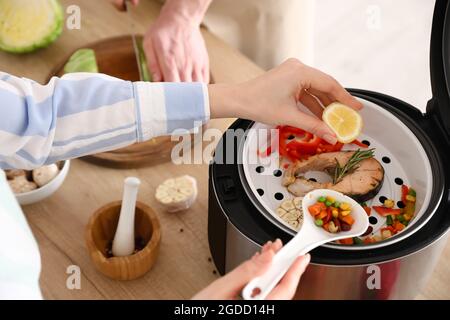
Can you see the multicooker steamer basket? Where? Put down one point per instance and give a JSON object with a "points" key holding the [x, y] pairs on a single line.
{"points": [[411, 146]]}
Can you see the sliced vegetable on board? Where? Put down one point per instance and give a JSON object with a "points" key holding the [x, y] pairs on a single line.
{"points": [[82, 60]]}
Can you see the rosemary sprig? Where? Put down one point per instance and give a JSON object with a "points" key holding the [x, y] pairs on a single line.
{"points": [[357, 157]]}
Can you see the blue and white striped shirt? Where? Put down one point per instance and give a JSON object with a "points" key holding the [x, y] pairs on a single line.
{"points": [[72, 116], [85, 113]]}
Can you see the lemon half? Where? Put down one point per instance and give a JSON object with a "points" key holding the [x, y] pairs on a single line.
{"points": [[346, 122]]}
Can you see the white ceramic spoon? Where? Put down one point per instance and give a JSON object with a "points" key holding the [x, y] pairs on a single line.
{"points": [[309, 237]]}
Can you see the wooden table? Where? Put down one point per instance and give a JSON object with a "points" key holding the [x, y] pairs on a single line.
{"points": [[184, 264]]}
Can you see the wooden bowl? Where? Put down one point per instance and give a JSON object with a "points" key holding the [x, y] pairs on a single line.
{"points": [[115, 57], [100, 233]]}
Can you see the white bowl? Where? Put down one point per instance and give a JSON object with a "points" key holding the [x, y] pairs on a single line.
{"points": [[47, 190]]}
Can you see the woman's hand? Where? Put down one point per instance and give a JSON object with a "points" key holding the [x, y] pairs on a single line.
{"points": [[230, 286], [273, 98], [174, 45], [175, 49]]}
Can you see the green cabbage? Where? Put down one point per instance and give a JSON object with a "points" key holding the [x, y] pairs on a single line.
{"points": [[83, 60], [26, 26]]}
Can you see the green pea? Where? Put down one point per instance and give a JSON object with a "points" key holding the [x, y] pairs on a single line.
{"points": [[336, 204], [401, 218], [328, 203], [322, 199], [357, 240], [319, 222]]}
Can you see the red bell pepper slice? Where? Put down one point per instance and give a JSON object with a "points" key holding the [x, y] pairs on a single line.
{"points": [[305, 147], [384, 212], [329, 215], [326, 147], [405, 191], [360, 144], [368, 210]]}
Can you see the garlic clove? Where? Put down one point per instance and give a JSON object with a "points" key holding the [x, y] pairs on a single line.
{"points": [[45, 174]]}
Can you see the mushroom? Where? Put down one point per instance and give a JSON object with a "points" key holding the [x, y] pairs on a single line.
{"points": [[13, 173], [20, 184], [44, 175]]}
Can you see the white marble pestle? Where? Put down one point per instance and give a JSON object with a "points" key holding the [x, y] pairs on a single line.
{"points": [[123, 243]]}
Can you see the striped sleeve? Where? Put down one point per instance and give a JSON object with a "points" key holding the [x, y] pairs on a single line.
{"points": [[85, 113]]}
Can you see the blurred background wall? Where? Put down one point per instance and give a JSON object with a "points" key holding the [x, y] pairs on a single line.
{"points": [[380, 45]]}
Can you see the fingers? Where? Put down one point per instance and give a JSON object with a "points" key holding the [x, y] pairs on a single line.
{"points": [[197, 75], [298, 119], [187, 74], [312, 104], [152, 61], [324, 99], [319, 81], [287, 287]]}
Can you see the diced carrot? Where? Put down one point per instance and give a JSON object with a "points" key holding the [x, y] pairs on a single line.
{"points": [[347, 241], [369, 240], [322, 215], [389, 228], [348, 219], [368, 210], [326, 227], [316, 208], [398, 226]]}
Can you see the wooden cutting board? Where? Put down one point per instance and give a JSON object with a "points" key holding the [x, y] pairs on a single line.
{"points": [[115, 57]]}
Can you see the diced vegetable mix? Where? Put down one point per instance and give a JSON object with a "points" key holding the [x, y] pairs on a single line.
{"points": [[332, 215], [397, 219]]}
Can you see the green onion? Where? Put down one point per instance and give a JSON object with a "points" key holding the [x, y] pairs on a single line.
{"points": [[412, 192], [389, 221], [319, 222], [401, 218], [322, 199], [328, 203], [357, 240], [337, 204]]}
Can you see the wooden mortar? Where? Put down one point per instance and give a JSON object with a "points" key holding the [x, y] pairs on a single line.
{"points": [[100, 232]]}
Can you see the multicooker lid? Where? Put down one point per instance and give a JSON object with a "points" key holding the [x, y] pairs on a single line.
{"points": [[439, 105]]}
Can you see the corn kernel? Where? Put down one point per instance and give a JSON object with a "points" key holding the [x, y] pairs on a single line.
{"points": [[331, 199], [345, 206], [389, 203], [407, 217], [345, 213], [386, 234], [410, 198], [335, 213]]}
